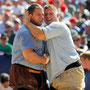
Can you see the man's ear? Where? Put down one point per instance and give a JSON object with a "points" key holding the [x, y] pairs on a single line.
{"points": [[30, 15]]}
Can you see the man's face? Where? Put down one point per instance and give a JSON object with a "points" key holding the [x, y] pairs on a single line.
{"points": [[49, 15], [85, 63], [6, 84], [37, 16]]}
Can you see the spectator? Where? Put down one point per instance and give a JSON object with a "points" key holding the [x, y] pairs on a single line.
{"points": [[83, 42], [71, 9], [6, 15], [85, 58], [4, 82], [10, 32], [74, 21], [20, 15], [82, 6], [87, 30], [76, 40], [5, 46], [17, 24], [77, 14]]}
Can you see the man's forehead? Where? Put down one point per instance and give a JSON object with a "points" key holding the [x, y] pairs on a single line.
{"points": [[38, 10]]}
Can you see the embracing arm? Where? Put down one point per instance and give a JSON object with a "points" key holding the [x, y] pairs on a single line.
{"points": [[31, 56], [36, 31]]}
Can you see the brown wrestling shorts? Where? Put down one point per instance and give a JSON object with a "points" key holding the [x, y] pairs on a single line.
{"points": [[22, 77]]}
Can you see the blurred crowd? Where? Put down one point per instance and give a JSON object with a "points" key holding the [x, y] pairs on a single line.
{"points": [[74, 13]]}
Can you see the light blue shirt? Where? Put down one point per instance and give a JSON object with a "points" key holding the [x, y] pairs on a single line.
{"points": [[60, 47], [24, 40]]}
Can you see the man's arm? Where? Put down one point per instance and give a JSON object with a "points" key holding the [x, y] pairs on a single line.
{"points": [[36, 31], [32, 57]]}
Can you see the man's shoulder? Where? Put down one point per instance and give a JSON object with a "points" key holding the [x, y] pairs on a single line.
{"points": [[23, 30], [56, 24]]}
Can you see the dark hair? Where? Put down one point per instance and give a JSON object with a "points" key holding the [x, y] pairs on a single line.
{"points": [[32, 8], [4, 35], [4, 77]]}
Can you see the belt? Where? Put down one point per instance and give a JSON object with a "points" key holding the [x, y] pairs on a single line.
{"points": [[34, 71], [30, 69], [73, 65]]}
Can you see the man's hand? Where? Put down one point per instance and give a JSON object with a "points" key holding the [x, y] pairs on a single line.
{"points": [[26, 20], [47, 58]]}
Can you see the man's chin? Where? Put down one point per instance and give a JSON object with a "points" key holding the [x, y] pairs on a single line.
{"points": [[48, 22]]}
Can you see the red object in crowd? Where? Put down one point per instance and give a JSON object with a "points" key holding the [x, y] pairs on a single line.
{"points": [[52, 1], [62, 6], [74, 19], [40, 2]]}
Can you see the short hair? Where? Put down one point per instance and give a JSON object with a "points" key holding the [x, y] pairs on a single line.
{"points": [[85, 55], [4, 35], [51, 6], [4, 77], [32, 8]]}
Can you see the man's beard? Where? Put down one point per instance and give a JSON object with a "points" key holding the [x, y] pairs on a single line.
{"points": [[35, 23]]}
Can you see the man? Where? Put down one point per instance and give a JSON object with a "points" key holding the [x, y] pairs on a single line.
{"points": [[10, 32], [26, 72], [85, 58], [4, 82], [64, 70]]}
